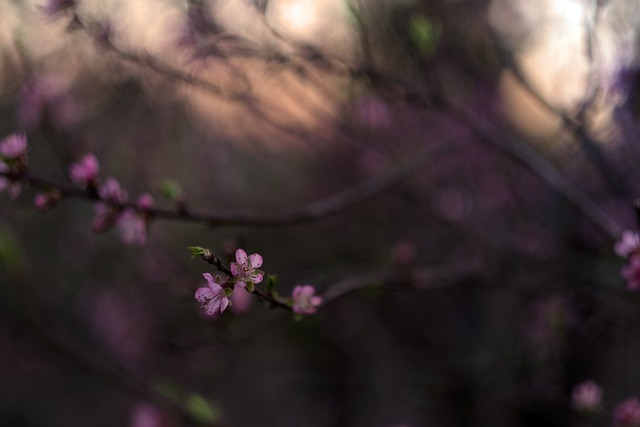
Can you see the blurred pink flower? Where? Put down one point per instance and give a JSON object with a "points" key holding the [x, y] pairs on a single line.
{"points": [[112, 192], [84, 170], [245, 268], [146, 415], [304, 299], [145, 202], [45, 201], [47, 97], [212, 298], [132, 227], [631, 273], [124, 327], [104, 217], [13, 146], [586, 396], [12, 188], [627, 413], [628, 244], [241, 300]]}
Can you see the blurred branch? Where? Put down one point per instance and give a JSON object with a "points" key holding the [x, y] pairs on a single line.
{"points": [[577, 125], [429, 278], [313, 212]]}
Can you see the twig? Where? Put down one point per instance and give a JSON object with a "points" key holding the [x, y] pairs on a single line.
{"points": [[313, 212], [211, 258]]}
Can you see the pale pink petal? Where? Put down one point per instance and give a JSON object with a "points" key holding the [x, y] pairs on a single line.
{"points": [[241, 284], [223, 304], [204, 294], [241, 257], [316, 301], [235, 270], [255, 260], [209, 278], [257, 278]]}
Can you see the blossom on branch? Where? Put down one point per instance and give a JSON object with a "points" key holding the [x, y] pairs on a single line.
{"points": [[84, 170], [631, 273], [586, 396], [212, 298], [133, 225], [13, 188], [628, 244], [627, 413], [305, 300], [111, 191], [245, 269], [13, 146]]}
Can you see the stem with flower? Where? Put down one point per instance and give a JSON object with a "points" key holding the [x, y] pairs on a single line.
{"points": [[244, 273]]}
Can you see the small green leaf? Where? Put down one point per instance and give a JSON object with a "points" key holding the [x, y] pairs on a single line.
{"points": [[170, 189], [272, 284], [425, 34], [250, 287], [197, 251], [200, 409]]}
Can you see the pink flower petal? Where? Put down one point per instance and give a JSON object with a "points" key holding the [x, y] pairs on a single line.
{"points": [[241, 257], [235, 270], [257, 278], [255, 260], [204, 294], [208, 277], [223, 304]]}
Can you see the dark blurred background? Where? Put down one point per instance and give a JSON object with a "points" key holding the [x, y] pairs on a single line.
{"points": [[476, 292]]}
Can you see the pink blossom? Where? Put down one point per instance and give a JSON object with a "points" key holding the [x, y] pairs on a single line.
{"points": [[133, 228], [13, 146], [145, 202], [627, 413], [45, 201], [245, 268], [304, 299], [12, 188], [212, 298], [104, 217], [85, 170], [146, 415], [628, 244], [631, 273], [112, 192], [586, 396]]}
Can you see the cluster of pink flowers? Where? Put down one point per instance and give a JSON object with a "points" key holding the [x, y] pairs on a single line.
{"points": [[629, 247], [13, 158], [215, 296], [132, 223]]}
